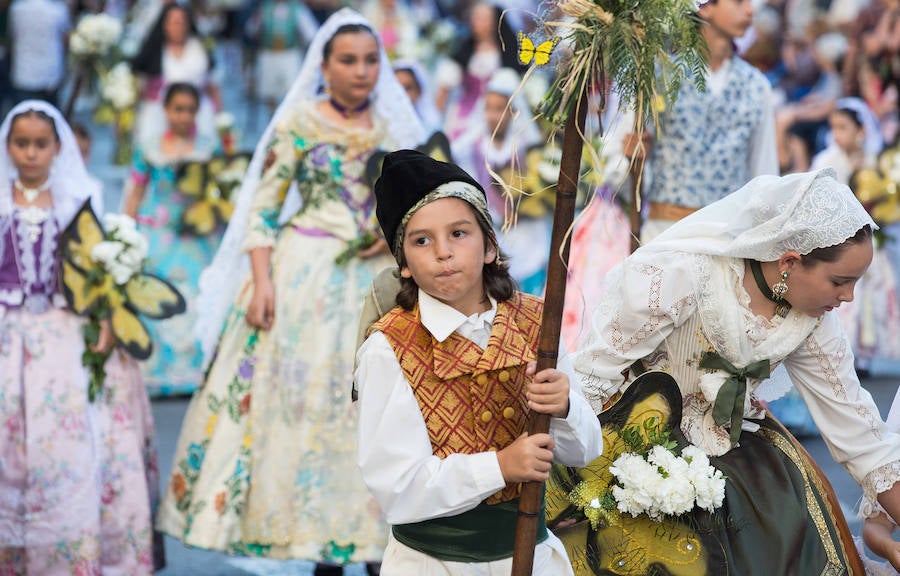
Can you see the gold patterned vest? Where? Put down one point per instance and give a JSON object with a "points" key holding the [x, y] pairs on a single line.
{"points": [[472, 400]]}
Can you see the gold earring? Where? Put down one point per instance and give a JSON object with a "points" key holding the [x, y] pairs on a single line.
{"points": [[780, 288]]}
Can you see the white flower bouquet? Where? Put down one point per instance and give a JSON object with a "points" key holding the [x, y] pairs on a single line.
{"points": [[103, 279], [119, 87], [94, 36], [121, 254], [652, 479]]}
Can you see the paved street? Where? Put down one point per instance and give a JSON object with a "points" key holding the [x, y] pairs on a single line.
{"points": [[191, 562]]}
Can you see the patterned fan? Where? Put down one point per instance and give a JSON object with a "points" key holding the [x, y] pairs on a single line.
{"points": [[210, 185]]}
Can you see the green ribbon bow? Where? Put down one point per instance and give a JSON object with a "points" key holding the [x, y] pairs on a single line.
{"points": [[729, 405]]}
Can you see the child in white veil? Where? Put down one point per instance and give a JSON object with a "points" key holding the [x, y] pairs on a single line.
{"points": [[74, 492], [219, 283], [266, 460]]}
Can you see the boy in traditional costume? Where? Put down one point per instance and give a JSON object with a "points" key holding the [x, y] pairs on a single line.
{"points": [[447, 379]]}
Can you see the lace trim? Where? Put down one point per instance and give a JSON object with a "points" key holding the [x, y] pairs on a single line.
{"points": [[827, 365], [617, 338], [880, 480], [48, 261], [29, 262], [11, 297]]}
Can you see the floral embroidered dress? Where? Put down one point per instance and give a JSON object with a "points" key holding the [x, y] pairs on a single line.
{"points": [[266, 461], [175, 365], [667, 312], [73, 474]]}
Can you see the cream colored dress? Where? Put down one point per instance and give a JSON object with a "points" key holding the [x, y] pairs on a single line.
{"points": [[266, 461]]}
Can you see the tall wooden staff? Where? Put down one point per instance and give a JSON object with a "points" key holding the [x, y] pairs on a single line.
{"points": [[627, 43], [551, 322]]}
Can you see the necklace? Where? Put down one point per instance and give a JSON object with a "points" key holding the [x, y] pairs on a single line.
{"points": [[31, 194], [346, 112], [782, 306]]}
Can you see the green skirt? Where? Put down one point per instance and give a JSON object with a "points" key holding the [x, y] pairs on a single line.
{"points": [[776, 519]]}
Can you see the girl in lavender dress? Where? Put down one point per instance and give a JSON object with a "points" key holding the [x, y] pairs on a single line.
{"points": [[73, 491]]}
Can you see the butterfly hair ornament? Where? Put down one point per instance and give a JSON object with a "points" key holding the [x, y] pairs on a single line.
{"points": [[538, 53]]}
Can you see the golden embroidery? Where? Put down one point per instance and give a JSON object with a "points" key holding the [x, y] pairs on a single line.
{"points": [[472, 400], [836, 555]]}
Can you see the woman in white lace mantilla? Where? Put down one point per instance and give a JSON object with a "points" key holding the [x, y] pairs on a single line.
{"points": [[701, 302], [266, 459]]}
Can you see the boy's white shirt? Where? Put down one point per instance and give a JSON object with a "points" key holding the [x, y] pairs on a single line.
{"points": [[409, 482]]}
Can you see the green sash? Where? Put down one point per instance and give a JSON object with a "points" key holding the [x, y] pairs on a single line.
{"points": [[483, 534]]}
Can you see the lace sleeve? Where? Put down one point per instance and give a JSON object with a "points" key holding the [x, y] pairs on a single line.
{"points": [[278, 170], [845, 413], [644, 303]]}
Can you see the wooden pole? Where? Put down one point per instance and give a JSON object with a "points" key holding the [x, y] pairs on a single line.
{"points": [[80, 73], [551, 322], [634, 217]]}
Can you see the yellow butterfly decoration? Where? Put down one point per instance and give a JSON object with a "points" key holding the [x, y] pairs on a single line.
{"points": [[91, 291], [540, 54], [210, 185]]}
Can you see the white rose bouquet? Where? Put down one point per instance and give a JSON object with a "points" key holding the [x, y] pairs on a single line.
{"points": [[653, 479], [119, 87], [123, 251], [94, 36]]}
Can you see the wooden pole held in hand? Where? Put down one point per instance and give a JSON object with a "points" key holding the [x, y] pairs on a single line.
{"points": [[551, 323]]}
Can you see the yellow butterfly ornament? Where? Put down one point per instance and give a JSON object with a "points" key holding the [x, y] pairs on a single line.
{"points": [[91, 290], [539, 54], [210, 186]]}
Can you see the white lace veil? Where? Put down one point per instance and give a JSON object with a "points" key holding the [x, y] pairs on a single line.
{"points": [[763, 220], [767, 217], [70, 184], [427, 109], [220, 282], [872, 141]]}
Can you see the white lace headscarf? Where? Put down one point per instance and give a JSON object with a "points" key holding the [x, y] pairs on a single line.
{"points": [[767, 217], [425, 106], [220, 282], [872, 140], [70, 184]]}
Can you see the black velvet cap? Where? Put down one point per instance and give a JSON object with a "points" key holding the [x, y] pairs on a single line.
{"points": [[407, 177]]}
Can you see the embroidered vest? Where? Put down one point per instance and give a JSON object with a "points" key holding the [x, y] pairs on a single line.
{"points": [[472, 400], [703, 152]]}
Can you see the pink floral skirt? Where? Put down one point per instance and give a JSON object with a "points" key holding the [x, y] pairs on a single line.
{"points": [[74, 495]]}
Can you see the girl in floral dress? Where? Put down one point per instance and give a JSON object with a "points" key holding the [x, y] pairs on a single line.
{"points": [[73, 491], [266, 461], [155, 202]]}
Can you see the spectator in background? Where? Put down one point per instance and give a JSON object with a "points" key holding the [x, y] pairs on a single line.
{"points": [[801, 126], [173, 52], [280, 30], [37, 33]]}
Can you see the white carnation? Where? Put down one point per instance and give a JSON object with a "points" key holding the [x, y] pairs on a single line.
{"points": [[105, 252], [118, 87], [224, 121], [663, 483], [95, 35]]}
